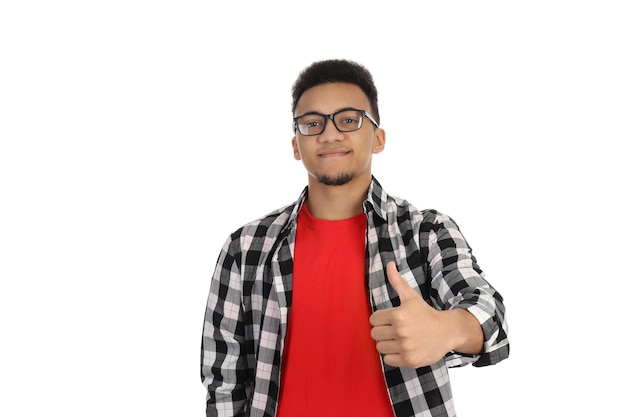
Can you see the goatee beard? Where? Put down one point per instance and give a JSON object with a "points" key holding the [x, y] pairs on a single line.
{"points": [[340, 179]]}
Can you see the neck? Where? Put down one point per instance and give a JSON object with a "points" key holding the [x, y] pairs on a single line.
{"points": [[337, 202]]}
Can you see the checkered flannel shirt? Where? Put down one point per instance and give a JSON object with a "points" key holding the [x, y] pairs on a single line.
{"points": [[250, 295]]}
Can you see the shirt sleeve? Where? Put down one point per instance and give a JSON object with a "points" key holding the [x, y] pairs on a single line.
{"points": [[223, 364], [458, 282]]}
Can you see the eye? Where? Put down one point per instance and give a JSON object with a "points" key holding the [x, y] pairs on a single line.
{"points": [[311, 124], [348, 120], [312, 120]]}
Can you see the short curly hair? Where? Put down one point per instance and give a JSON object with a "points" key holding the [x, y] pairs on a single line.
{"points": [[336, 71]]}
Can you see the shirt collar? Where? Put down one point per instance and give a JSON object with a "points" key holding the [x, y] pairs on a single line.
{"points": [[376, 199]]}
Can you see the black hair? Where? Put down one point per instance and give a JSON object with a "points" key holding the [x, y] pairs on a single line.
{"points": [[336, 71]]}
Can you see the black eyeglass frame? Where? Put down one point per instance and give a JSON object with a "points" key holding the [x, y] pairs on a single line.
{"points": [[332, 118]]}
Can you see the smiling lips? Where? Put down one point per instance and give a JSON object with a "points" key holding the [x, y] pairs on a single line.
{"points": [[333, 153]]}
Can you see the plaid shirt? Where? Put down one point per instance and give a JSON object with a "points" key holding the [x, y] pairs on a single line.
{"points": [[250, 295]]}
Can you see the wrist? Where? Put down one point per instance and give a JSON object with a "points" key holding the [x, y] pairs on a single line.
{"points": [[465, 333]]}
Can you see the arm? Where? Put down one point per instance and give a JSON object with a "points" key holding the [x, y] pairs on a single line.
{"points": [[466, 323], [459, 283], [223, 365]]}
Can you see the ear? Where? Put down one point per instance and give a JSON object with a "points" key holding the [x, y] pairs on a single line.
{"points": [[379, 141], [296, 150]]}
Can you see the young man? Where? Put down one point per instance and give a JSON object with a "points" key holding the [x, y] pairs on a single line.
{"points": [[348, 302]]}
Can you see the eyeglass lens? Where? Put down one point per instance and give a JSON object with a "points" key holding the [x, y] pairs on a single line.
{"points": [[345, 121]]}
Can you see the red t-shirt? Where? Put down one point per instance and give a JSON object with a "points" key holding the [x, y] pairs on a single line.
{"points": [[330, 364]]}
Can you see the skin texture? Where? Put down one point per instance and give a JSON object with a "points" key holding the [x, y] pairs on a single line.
{"points": [[334, 154], [339, 167], [414, 334]]}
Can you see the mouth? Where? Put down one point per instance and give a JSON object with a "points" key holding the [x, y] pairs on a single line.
{"points": [[333, 153]]}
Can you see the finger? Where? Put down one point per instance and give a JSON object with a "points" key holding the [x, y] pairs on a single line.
{"points": [[393, 359], [404, 290], [388, 347], [381, 317], [380, 333]]}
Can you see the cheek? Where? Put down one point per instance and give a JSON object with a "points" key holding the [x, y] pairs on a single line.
{"points": [[301, 151]]}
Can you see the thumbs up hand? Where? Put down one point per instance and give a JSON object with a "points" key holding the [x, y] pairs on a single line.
{"points": [[413, 334]]}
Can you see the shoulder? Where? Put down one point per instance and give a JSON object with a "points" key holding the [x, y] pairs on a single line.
{"points": [[264, 228], [426, 220], [435, 219], [394, 208]]}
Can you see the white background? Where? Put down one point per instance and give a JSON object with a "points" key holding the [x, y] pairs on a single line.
{"points": [[136, 135]]}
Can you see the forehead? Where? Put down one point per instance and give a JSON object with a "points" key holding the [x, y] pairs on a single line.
{"points": [[330, 97]]}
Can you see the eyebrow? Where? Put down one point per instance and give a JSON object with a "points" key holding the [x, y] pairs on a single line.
{"points": [[326, 114]]}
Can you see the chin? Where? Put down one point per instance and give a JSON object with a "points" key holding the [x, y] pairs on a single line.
{"points": [[335, 180]]}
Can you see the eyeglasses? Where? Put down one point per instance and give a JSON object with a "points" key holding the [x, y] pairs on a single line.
{"points": [[346, 120]]}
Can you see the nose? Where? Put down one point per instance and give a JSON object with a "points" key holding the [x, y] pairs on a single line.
{"points": [[330, 133]]}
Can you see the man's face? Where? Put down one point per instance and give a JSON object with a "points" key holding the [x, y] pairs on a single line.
{"points": [[334, 157]]}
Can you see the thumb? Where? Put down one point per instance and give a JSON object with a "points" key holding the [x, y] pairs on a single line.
{"points": [[399, 284]]}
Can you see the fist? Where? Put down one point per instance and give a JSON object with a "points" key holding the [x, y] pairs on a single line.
{"points": [[412, 334]]}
